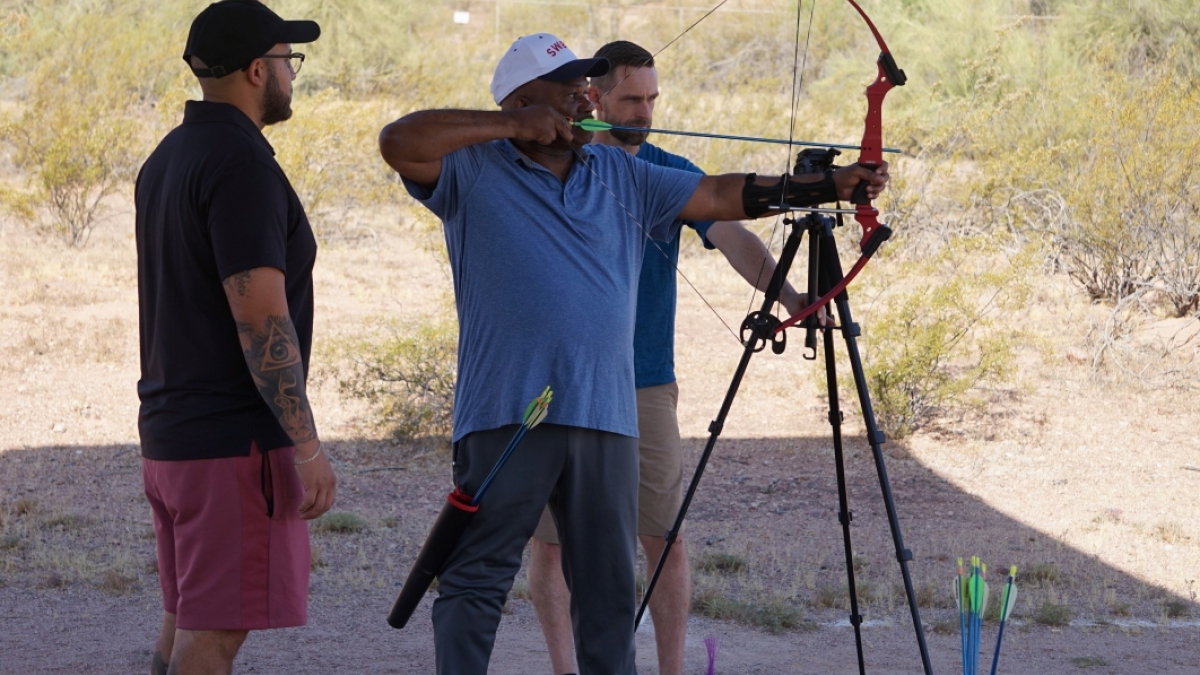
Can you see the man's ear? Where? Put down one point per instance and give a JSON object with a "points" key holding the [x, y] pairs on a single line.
{"points": [[594, 95], [256, 72]]}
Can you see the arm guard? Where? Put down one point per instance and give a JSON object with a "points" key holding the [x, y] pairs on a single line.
{"points": [[758, 199]]}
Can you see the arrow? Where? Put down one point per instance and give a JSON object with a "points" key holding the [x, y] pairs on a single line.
{"points": [[453, 520], [961, 595], [1006, 607], [592, 124], [534, 414]]}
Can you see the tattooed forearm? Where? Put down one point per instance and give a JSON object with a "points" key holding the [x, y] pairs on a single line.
{"points": [[273, 356], [238, 282]]}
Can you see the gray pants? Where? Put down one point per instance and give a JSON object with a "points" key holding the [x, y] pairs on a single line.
{"points": [[590, 480]]}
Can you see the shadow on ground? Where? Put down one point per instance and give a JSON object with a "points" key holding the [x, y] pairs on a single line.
{"points": [[78, 583]]}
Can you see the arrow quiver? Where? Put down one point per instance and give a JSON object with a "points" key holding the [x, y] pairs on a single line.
{"points": [[443, 538]]}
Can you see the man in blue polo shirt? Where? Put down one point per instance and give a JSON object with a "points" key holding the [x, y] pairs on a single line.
{"points": [[546, 236], [625, 96]]}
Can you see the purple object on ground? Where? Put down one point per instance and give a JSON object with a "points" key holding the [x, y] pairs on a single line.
{"points": [[710, 643]]}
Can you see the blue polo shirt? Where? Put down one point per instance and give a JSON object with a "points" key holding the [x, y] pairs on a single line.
{"points": [[654, 334], [545, 279]]}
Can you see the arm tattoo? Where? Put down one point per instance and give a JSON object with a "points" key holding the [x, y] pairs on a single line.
{"points": [[278, 372], [237, 282]]}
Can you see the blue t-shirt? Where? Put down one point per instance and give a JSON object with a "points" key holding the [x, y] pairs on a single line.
{"points": [[654, 335], [545, 279]]}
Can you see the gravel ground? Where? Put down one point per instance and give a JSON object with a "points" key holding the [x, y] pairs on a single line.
{"points": [[1089, 485]]}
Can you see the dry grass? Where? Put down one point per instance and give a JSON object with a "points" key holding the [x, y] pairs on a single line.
{"points": [[772, 614], [721, 563], [1050, 614], [339, 522]]}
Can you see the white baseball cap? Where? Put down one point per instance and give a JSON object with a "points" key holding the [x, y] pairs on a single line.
{"points": [[540, 56]]}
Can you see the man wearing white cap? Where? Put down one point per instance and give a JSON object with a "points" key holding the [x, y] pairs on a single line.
{"points": [[545, 235]]}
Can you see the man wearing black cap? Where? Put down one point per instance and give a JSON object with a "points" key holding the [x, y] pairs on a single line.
{"points": [[232, 464], [546, 236]]}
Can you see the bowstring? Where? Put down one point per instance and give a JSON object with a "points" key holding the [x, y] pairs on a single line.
{"points": [[799, 65], [663, 48], [658, 246], [583, 160], [797, 83]]}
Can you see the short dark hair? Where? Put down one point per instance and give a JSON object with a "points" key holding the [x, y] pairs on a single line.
{"points": [[621, 53]]}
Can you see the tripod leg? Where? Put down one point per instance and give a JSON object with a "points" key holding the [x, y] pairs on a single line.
{"points": [[831, 270], [844, 514]]}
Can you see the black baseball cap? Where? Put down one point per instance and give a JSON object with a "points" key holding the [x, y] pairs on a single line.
{"points": [[228, 35]]}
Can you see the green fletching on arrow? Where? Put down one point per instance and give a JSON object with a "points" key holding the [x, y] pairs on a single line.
{"points": [[976, 587], [532, 407], [592, 124], [1010, 595], [536, 412]]}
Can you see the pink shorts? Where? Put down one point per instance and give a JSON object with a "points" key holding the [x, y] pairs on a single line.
{"points": [[233, 553]]}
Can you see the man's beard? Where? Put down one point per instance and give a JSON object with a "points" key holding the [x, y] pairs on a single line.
{"points": [[631, 137], [276, 105]]}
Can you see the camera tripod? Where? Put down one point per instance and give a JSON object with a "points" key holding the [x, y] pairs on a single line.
{"points": [[762, 328]]}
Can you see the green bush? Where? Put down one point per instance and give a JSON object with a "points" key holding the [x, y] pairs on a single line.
{"points": [[408, 374], [80, 132], [941, 328], [328, 151]]}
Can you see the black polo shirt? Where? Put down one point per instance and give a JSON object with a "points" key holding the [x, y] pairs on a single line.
{"points": [[211, 202]]}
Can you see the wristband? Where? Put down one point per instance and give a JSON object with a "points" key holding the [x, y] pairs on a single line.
{"points": [[314, 456]]}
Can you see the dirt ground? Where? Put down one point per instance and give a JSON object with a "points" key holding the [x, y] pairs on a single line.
{"points": [[1088, 484]]}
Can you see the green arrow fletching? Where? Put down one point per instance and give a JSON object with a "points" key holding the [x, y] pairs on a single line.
{"points": [[592, 124], [536, 411], [1010, 594]]}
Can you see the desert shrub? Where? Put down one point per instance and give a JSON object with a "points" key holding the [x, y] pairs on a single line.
{"points": [[1051, 614], [940, 328], [721, 563], [328, 151], [78, 156], [80, 133], [1136, 223], [340, 522], [1043, 573], [773, 614], [408, 374]]}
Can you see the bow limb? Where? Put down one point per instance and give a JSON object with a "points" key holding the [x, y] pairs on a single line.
{"points": [[888, 76], [871, 156]]}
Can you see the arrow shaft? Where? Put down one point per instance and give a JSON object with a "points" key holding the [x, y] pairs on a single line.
{"points": [[728, 137]]}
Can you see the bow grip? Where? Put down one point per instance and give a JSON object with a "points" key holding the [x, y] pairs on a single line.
{"points": [[859, 196]]}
